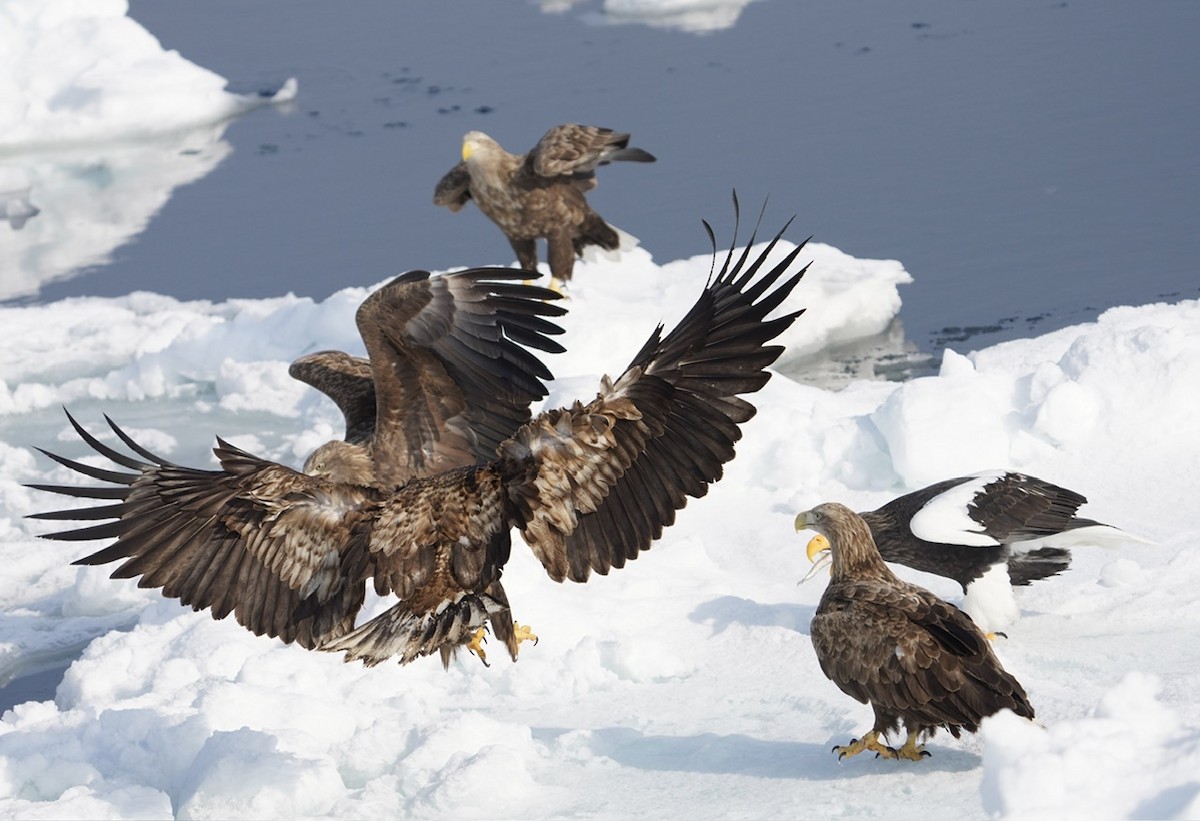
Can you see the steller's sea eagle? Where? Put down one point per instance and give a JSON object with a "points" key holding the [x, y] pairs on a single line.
{"points": [[589, 487], [914, 658], [988, 532], [540, 194]]}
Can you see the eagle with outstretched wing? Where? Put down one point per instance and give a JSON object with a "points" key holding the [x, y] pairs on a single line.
{"points": [[588, 486], [989, 532], [916, 659], [449, 376], [540, 194]]}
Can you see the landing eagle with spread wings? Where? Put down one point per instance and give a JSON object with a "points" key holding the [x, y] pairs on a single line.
{"points": [[589, 487], [540, 194], [449, 375]]}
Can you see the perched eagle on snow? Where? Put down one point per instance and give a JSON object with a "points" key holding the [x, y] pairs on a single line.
{"points": [[540, 195], [589, 486], [914, 658], [988, 532]]}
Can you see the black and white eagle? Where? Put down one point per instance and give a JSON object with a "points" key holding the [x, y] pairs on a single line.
{"points": [[988, 532]]}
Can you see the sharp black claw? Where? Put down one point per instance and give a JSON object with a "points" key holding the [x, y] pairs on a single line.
{"points": [[928, 754], [1001, 635]]}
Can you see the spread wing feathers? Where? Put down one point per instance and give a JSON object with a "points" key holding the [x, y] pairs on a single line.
{"points": [[1016, 507], [254, 538], [454, 188], [453, 373], [347, 381], [449, 371], [601, 481], [993, 512], [577, 150], [912, 656]]}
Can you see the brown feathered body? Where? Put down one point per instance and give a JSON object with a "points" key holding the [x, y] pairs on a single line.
{"points": [[914, 658], [540, 194], [589, 487]]}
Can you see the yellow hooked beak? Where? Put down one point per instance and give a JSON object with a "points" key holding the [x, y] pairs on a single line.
{"points": [[816, 545], [818, 548], [468, 150]]}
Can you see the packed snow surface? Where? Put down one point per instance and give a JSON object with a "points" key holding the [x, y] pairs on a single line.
{"points": [[683, 684]]}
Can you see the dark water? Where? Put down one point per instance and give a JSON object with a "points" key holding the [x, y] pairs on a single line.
{"points": [[1031, 163], [39, 686]]}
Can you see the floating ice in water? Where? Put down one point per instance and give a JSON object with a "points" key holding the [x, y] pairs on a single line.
{"points": [[98, 125]]}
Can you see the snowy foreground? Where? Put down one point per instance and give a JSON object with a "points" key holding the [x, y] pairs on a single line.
{"points": [[681, 686]]}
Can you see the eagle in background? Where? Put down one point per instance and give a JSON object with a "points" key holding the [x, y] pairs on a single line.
{"points": [[917, 660], [989, 532], [589, 487], [540, 194]]}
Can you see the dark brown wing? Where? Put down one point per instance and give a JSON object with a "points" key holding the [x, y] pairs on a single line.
{"points": [[347, 381], [576, 150], [593, 485], [454, 188], [452, 368], [254, 538], [912, 655], [1015, 507]]}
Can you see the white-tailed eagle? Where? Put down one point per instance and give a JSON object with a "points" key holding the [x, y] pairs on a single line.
{"points": [[540, 194], [588, 486], [448, 378], [917, 660]]}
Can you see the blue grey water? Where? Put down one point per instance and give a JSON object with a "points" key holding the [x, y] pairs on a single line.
{"points": [[1031, 163]]}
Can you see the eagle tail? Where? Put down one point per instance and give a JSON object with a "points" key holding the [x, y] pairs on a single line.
{"points": [[629, 155], [1041, 563], [595, 231], [399, 631]]}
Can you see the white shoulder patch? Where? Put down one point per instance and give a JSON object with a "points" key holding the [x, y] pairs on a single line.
{"points": [[945, 519]]}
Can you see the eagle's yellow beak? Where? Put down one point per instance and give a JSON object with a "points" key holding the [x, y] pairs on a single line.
{"points": [[468, 150], [816, 545], [802, 521]]}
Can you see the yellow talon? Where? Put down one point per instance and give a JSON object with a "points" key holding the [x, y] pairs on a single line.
{"points": [[476, 645], [912, 751], [523, 633], [868, 742]]}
